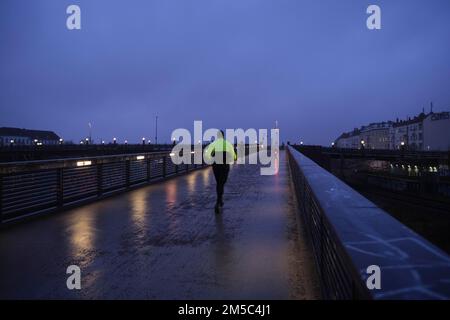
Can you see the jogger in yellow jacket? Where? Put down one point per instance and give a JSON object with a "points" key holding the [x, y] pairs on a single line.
{"points": [[221, 153]]}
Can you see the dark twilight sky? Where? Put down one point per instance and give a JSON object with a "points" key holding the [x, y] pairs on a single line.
{"points": [[310, 64]]}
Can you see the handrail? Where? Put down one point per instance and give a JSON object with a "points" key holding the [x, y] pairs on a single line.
{"points": [[32, 187], [5, 167], [349, 233]]}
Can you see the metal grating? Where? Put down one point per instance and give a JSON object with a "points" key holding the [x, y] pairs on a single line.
{"points": [[138, 171], [79, 182], [29, 189]]}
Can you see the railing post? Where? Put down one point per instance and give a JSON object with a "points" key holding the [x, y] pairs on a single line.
{"points": [[164, 166], [149, 164], [127, 173], [99, 179], [1, 199], [59, 187]]}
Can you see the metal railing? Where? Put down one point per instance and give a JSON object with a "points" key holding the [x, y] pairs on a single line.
{"points": [[31, 187], [349, 233], [380, 154]]}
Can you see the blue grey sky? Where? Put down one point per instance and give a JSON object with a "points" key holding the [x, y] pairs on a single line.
{"points": [[310, 64]]}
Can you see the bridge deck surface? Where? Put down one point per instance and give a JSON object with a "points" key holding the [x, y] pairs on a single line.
{"points": [[164, 241]]}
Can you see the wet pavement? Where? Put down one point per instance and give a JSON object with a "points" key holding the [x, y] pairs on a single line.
{"points": [[164, 241]]}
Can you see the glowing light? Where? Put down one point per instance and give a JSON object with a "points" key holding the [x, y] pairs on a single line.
{"points": [[140, 157], [84, 163], [172, 154]]}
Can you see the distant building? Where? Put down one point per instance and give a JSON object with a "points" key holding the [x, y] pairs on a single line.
{"points": [[349, 140], [376, 135], [19, 136], [425, 132], [436, 130], [408, 133]]}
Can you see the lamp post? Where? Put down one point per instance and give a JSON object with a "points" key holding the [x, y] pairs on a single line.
{"points": [[156, 131], [90, 132], [402, 145]]}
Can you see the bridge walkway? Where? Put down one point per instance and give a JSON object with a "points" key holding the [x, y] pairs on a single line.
{"points": [[163, 241]]}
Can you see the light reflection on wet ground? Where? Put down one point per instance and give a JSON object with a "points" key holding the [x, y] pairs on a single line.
{"points": [[165, 242]]}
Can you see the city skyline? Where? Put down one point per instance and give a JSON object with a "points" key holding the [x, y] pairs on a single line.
{"points": [[313, 67], [98, 138]]}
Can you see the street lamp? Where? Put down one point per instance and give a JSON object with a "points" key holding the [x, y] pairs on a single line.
{"points": [[143, 140], [114, 140], [363, 144], [126, 141], [61, 141]]}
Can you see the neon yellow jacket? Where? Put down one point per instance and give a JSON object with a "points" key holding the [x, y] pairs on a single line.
{"points": [[218, 149]]}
